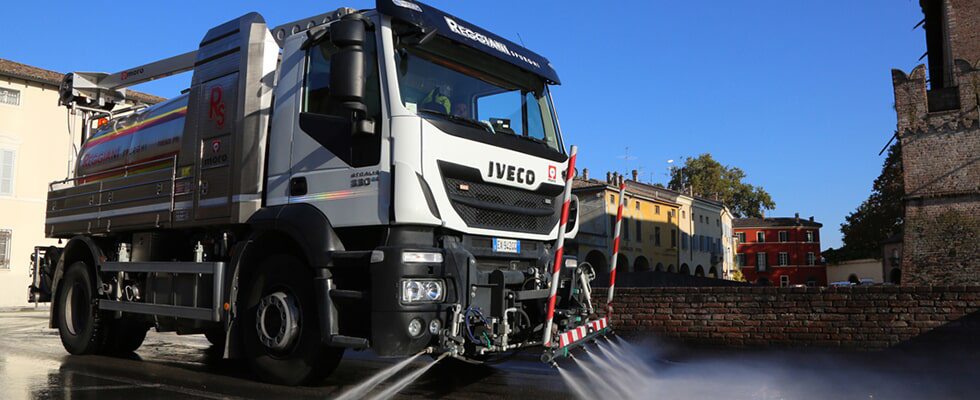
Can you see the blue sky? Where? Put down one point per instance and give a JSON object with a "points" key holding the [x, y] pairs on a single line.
{"points": [[798, 94]]}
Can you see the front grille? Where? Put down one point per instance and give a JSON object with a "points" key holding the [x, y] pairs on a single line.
{"points": [[519, 210]]}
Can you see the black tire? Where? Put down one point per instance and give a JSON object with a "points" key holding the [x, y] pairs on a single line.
{"points": [[305, 359], [216, 336], [125, 335], [79, 322]]}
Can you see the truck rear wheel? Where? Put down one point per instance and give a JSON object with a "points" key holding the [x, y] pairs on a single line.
{"points": [[79, 322], [125, 335], [280, 325]]}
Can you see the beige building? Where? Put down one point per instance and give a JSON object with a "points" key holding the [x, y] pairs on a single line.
{"points": [[855, 271], [36, 148]]}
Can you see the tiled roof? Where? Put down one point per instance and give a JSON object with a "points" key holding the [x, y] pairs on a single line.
{"points": [[640, 188], [773, 222], [35, 74]]}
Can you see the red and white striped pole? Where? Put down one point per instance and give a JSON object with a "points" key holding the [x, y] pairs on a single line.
{"points": [[615, 252], [560, 245]]}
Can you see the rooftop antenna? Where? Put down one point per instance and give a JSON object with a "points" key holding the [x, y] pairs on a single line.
{"points": [[627, 157], [521, 39]]}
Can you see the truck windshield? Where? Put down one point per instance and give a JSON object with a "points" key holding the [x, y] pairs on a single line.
{"points": [[446, 80]]}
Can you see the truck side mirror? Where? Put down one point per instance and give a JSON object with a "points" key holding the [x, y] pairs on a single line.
{"points": [[347, 77]]}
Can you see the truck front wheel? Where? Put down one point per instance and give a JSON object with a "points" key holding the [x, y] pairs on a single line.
{"points": [[79, 322], [280, 326]]}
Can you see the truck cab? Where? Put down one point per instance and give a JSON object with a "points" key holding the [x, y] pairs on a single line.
{"points": [[390, 179]]}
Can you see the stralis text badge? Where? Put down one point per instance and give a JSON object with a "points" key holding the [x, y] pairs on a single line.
{"points": [[506, 245]]}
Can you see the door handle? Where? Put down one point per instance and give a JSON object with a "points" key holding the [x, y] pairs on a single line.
{"points": [[297, 186]]}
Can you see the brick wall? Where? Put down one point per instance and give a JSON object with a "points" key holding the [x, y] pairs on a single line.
{"points": [[963, 22], [865, 318]]}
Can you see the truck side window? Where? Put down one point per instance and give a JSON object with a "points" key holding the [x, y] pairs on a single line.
{"points": [[366, 149]]}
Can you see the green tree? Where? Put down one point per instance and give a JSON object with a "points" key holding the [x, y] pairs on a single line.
{"points": [[738, 276], [878, 217], [709, 179]]}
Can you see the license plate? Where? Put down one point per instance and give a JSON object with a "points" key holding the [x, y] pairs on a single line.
{"points": [[506, 245]]}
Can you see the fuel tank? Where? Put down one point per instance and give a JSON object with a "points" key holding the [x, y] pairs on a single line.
{"points": [[145, 140]]}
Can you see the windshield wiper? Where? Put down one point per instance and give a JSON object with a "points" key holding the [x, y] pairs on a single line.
{"points": [[536, 140], [456, 118]]}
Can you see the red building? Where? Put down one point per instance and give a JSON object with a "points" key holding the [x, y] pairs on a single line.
{"points": [[780, 251]]}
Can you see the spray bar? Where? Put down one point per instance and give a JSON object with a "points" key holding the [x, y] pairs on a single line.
{"points": [[560, 245], [576, 337]]}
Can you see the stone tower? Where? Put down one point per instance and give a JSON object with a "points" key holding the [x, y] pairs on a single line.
{"points": [[939, 131]]}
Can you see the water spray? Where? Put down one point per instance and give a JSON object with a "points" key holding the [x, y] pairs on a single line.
{"points": [[362, 389], [408, 379]]}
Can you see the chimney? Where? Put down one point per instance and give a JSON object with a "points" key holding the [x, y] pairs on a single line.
{"points": [[811, 218], [585, 173], [797, 218], [608, 177], [636, 175]]}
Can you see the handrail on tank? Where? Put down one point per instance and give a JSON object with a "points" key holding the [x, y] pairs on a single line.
{"points": [[124, 168]]}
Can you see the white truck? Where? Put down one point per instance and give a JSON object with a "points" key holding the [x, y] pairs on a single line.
{"points": [[386, 179]]}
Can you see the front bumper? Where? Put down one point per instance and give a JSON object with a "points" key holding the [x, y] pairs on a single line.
{"points": [[493, 302]]}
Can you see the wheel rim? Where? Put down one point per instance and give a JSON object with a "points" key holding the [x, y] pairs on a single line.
{"points": [[277, 321], [75, 312]]}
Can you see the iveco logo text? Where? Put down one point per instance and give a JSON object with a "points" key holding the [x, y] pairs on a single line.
{"points": [[510, 173], [486, 41]]}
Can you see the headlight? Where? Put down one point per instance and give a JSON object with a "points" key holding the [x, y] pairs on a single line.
{"points": [[421, 257], [415, 327], [422, 290], [571, 263]]}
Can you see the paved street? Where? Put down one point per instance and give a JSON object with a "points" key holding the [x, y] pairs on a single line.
{"points": [[33, 365]]}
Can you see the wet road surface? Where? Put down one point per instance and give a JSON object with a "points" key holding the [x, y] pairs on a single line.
{"points": [[33, 365]]}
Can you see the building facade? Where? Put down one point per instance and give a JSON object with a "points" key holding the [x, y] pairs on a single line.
{"points": [[663, 230], [704, 255], [36, 148], [648, 238], [860, 271], [780, 251], [727, 244], [939, 131]]}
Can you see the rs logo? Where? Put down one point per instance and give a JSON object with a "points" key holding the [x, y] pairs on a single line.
{"points": [[552, 173], [216, 112]]}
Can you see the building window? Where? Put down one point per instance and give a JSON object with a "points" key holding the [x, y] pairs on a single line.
{"points": [[783, 258], [783, 236], [740, 260], [684, 240], [811, 259], [7, 172], [626, 232], [639, 233], [656, 236], [612, 199], [9, 96], [760, 237], [740, 236], [760, 262], [5, 237], [809, 236], [656, 209], [784, 281], [612, 224], [637, 206], [673, 238], [811, 282], [683, 214]]}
